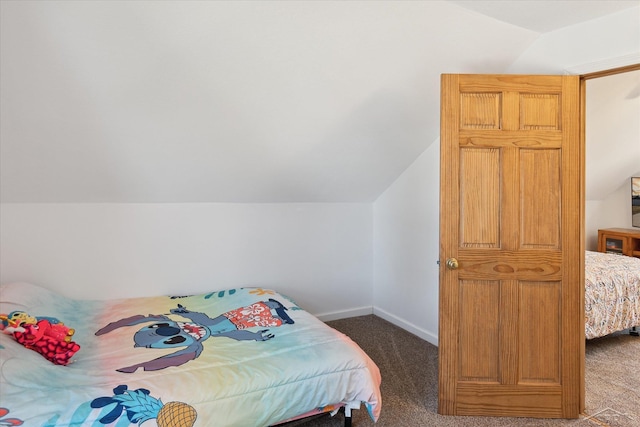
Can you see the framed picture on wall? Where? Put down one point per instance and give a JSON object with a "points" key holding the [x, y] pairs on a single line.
{"points": [[635, 201]]}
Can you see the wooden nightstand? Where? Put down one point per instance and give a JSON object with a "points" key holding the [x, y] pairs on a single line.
{"points": [[622, 241]]}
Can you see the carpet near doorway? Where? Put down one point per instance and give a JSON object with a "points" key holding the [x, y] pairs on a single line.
{"points": [[409, 368]]}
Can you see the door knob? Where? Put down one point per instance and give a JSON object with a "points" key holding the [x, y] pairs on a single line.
{"points": [[452, 264]]}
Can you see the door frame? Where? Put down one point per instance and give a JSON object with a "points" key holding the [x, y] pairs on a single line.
{"points": [[583, 141]]}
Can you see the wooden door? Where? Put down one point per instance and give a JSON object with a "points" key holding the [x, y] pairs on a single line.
{"points": [[511, 331]]}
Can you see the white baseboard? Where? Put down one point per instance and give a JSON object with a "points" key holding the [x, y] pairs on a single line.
{"points": [[407, 326], [344, 314], [364, 311]]}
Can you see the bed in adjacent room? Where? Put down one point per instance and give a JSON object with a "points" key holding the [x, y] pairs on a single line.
{"points": [[238, 357], [612, 293]]}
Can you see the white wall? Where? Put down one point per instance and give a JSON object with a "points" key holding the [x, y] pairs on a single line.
{"points": [[318, 254], [334, 259], [612, 151], [406, 245]]}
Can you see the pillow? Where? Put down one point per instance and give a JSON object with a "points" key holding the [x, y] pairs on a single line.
{"points": [[27, 295]]}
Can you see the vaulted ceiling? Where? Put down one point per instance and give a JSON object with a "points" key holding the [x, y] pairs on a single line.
{"points": [[221, 101]]}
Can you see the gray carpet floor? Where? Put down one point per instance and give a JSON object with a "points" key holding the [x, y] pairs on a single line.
{"points": [[409, 368]]}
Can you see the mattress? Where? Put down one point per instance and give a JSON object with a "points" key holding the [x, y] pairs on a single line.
{"points": [[235, 357]]}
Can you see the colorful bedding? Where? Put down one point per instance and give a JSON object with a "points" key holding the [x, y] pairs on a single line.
{"points": [[612, 293], [239, 357]]}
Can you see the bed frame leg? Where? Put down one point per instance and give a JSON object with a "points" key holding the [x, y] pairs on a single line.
{"points": [[634, 331], [347, 416]]}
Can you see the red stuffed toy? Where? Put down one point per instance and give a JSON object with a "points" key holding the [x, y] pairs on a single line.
{"points": [[51, 340]]}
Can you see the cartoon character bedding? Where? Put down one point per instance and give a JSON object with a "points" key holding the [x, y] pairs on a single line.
{"points": [[612, 293], [240, 357]]}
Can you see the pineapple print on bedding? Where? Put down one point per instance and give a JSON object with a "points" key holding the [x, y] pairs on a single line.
{"points": [[138, 406]]}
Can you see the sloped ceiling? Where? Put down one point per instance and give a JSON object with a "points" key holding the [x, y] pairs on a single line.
{"points": [[545, 15], [215, 101]]}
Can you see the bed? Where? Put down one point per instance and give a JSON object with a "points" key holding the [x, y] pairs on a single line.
{"points": [[245, 357], [612, 293]]}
